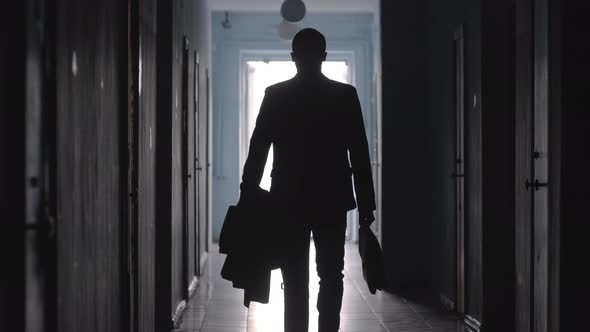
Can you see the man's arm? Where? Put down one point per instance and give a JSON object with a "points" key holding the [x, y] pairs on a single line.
{"points": [[259, 146], [360, 161]]}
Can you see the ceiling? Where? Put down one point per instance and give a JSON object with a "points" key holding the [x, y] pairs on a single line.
{"points": [[324, 6]]}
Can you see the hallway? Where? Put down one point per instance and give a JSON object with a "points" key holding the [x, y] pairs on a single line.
{"points": [[124, 129], [217, 307]]}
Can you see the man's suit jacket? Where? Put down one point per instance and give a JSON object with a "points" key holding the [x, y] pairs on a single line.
{"points": [[314, 124]]}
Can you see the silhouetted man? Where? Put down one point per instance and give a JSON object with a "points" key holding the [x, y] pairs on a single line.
{"points": [[314, 124]]}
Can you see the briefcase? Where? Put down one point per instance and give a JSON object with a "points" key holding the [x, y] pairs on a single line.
{"points": [[245, 224], [230, 230], [251, 230], [372, 259]]}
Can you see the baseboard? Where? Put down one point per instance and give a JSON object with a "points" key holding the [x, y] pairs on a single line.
{"points": [[202, 261], [192, 287], [472, 324], [177, 317]]}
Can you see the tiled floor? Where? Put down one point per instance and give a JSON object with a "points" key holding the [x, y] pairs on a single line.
{"points": [[217, 307]]}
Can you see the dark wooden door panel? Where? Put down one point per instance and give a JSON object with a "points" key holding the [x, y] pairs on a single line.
{"points": [[40, 168], [205, 173], [523, 171], [473, 171], [540, 165], [164, 86], [145, 76], [197, 168], [186, 171], [537, 165], [459, 172], [91, 104]]}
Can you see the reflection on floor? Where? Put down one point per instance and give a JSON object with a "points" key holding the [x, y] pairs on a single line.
{"points": [[217, 307]]}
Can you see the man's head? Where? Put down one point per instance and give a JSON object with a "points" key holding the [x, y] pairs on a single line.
{"points": [[309, 49]]}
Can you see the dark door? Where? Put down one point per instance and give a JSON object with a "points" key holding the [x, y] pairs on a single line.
{"points": [[196, 165], [132, 160], [92, 174], [12, 166], [536, 251], [186, 170], [523, 170], [144, 74], [537, 185], [205, 189], [459, 172], [39, 260]]}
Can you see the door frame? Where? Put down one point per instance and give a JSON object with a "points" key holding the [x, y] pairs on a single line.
{"points": [[196, 164], [131, 176], [208, 169], [377, 160], [523, 149], [186, 169], [39, 169], [546, 103], [537, 249], [459, 172]]}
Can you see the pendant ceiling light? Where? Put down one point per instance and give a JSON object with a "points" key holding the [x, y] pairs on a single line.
{"points": [[293, 10]]}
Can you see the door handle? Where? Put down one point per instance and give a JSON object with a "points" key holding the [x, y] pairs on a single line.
{"points": [[537, 184], [457, 175], [45, 225]]}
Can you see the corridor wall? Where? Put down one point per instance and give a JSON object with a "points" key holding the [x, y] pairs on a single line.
{"points": [[86, 164], [181, 226], [419, 229], [12, 165], [573, 286], [406, 195]]}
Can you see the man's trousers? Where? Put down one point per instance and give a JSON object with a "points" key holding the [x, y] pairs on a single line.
{"points": [[329, 232]]}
